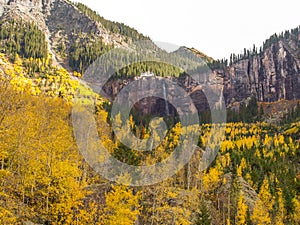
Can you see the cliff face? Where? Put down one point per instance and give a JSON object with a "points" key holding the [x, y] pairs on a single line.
{"points": [[28, 3], [66, 22], [2, 6], [271, 76], [61, 21]]}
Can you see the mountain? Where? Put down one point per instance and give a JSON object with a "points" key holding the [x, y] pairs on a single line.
{"points": [[76, 36], [47, 178], [74, 33], [193, 54], [270, 74]]}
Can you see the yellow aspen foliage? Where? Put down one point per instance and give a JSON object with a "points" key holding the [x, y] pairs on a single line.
{"points": [[239, 144], [7, 217], [170, 205], [242, 209], [226, 145], [228, 221], [225, 160], [228, 130], [118, 121], [211, 178], [131, 122], [249, 142], [242, 166], [43, 158], [249, 179], [263, 206], [267, 141], [104, 130], [239, 171], [281, 139], [122, 206], [276, 141], [257, 153], [296, 213], [77, 74], [260, 214], [175, 136], [281, 212], [265, 194]]}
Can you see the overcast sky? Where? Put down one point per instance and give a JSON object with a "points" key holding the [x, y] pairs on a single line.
{"points": [[215, 27]]}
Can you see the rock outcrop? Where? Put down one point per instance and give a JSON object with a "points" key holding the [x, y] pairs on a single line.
{"points": [[61, 21], [66, 22], [37, 4], [225, 191], [271, 76], [2, 5]]}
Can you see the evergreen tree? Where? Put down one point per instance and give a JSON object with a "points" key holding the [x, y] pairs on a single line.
{"points": [[203, 217]]}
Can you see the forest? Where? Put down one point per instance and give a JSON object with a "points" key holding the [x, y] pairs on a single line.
{"points": [[44, 178]]}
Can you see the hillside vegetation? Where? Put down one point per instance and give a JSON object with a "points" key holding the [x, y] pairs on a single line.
{"points": [[44, 178]]}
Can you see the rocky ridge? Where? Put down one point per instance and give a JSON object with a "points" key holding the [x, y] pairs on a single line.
{"points": [[271, 75], [61, 22]]}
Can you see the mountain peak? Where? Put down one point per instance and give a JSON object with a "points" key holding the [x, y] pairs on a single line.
{"points": [[67, 25], [194, 53]]}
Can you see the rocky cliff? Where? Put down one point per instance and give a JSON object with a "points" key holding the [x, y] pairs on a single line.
{"points": [[271, 75], [62, 23], [2, 5]]}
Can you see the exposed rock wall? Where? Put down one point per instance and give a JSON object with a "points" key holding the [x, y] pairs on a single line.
{"points": [[2, 5], [66, 22], [61, 22], [271, 76], [28, 3]]}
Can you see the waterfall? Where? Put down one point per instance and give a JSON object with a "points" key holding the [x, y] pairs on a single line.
{"points": [[219, 104], [165, 99]]}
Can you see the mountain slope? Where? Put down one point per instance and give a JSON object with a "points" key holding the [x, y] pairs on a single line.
{"points": [[44, 178], [271, 75], [68, 30], [76, 36]]}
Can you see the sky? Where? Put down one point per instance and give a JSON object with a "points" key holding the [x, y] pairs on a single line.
{"points": [[214, 27]]}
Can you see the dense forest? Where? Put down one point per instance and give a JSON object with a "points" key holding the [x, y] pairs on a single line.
{"points": [[23, 38], [114, 27], [44, 178]]}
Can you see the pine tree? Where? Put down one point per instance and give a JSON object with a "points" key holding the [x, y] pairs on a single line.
{"points": [[203, 217]]}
